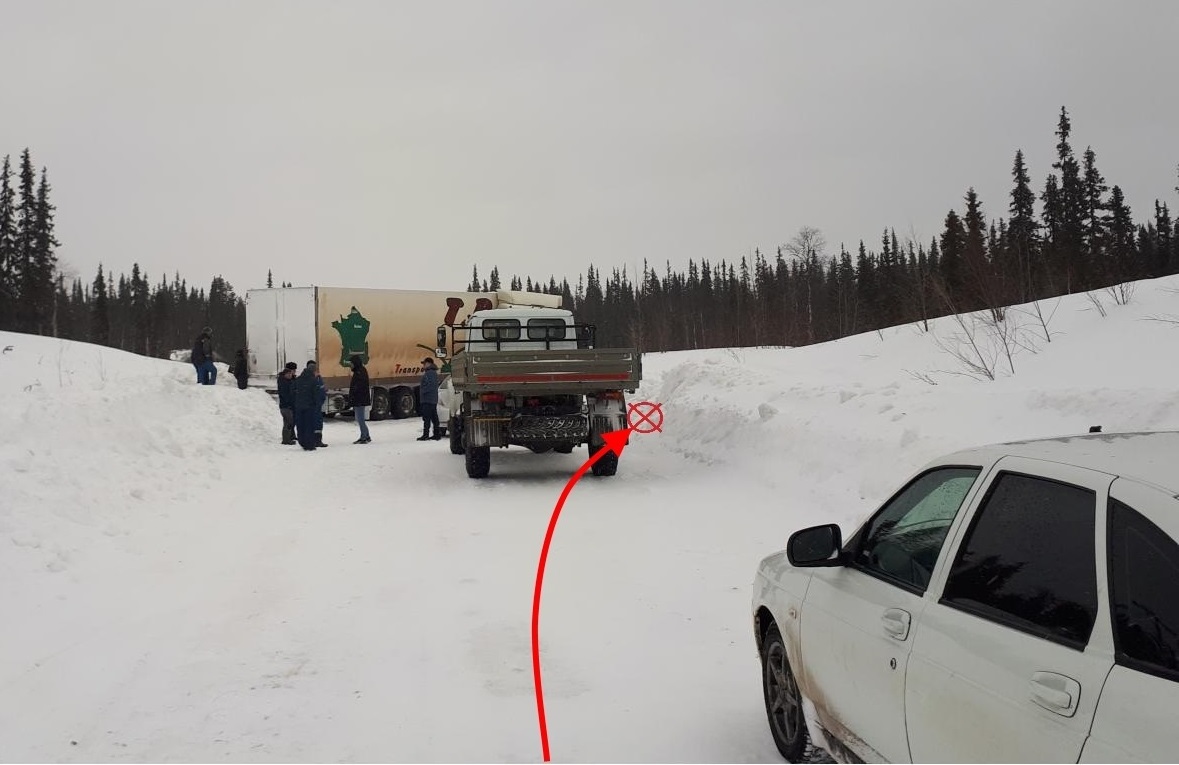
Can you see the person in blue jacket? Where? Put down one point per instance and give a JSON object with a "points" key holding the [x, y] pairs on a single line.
{"points": [[306, 411], [320, 399]]}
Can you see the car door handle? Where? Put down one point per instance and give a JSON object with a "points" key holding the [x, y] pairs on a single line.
{"points": [[896, 623], [1056, 693]]}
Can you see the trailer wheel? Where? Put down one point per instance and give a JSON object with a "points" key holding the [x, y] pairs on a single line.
{"points": [[402, 403], [606, 465], [380, 408], [478, 461], [455, 431]]}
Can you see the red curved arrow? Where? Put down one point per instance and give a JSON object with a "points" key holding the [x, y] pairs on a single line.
{"points": [[615, 442]]}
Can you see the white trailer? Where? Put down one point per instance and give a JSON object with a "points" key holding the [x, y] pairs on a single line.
{"points": [[391, 330]]}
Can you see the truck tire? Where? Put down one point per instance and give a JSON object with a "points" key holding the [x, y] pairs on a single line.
{"points": [[380, 406], [402, 403], [566, 449], [455, 431], [478, 461], [606, 465]]}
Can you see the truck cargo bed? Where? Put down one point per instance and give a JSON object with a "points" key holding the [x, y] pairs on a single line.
{"points": [[546, 371]]}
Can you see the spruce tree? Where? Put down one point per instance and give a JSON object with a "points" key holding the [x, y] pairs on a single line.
{"points": [[269, 278], [1120, 240], [1023, 237], [1094, 222], [980, 290], [1164, 251], [26, 226], [1069, 242], [953, 267], [42, 283], [8, 248], [100, 320]]}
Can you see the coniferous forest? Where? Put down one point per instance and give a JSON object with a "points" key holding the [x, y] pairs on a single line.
{"points": [[1073, 232]]}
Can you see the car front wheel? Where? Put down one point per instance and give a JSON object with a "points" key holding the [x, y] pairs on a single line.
{"points": [[782, 697]]}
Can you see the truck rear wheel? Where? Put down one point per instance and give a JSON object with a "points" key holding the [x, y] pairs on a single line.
{"points": [[455, 431], [606, 465], [478, 461], [380, 408], [402, 403]]}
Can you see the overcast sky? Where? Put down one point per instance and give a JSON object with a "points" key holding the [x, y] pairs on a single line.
{"points": [[397, 144]]}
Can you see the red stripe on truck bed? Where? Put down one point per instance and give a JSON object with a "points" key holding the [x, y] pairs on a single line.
{"points": [[553, 377]]}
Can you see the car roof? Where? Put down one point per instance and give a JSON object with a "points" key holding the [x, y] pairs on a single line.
{"points": [[1148, 456]]}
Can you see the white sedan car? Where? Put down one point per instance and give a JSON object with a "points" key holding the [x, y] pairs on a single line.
{"points": [[1012, 603]]}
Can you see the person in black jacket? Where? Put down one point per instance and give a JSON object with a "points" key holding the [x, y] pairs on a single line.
{"points": [[305, 410], [241, 370], [361, 397], [286, 402], [202, 358]]}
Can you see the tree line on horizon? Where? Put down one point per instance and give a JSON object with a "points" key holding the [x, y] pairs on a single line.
{"points": [[1082, 237]]}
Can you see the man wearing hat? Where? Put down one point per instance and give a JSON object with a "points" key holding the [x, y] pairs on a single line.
{"points": [[286, 401], [428, 400], [306, 394]]}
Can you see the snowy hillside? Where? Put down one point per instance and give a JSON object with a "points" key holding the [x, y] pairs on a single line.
{"points": [[178, 586]]}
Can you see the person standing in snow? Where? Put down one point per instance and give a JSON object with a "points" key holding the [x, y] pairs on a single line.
{"points": [[320, 399], [240, 370], [361, 397], [202, 358], [286, 401], [428, 400], [305, 414]]}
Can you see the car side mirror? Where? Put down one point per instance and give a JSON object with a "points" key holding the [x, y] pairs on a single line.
{"points": [[816, 546]]}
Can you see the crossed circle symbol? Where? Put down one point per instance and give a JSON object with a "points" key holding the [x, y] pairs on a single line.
{"points": [[645, 417]]}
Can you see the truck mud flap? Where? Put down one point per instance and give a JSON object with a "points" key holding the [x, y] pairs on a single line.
{"points": [[487, 431], [542, 428], [605, 423]]}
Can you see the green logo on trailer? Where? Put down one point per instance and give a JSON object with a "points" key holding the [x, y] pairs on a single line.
{"points": [[353, 331]]}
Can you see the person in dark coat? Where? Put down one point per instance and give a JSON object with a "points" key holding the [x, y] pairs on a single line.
{"points": [[361, 397], [202, 358], [286, 401], [320, 399], [305, 414], [428, 400], [240, 370]]}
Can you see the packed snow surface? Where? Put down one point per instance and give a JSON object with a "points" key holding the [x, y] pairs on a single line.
{"points": [[178, 586]]}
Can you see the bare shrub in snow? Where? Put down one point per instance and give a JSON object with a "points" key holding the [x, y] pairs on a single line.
{"points": [[924, 377], [985, 340], [1121, 293], [1096, 301], [1038, 313], [969, 346]]}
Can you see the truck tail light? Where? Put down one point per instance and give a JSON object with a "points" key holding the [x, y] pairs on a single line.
{"points": [[615, 395], [491, 398]]}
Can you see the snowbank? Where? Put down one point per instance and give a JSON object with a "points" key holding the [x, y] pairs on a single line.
{"points": [[96, 438], [852, 417]]}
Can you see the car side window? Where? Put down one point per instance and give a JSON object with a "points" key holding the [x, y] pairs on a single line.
{"points": [[902, 542], [1144, 593], [1028, 560]]}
